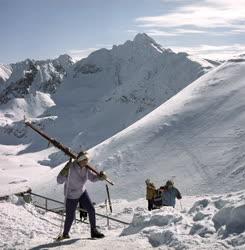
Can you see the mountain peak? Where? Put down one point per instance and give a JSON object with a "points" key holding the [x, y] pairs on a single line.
{"points": [[65, 58], [143, 38]]}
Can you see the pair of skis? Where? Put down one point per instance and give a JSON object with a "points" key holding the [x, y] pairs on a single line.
{"points": [[63, 148]]}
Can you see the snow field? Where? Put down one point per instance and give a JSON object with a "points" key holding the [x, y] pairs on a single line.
{"points": [[205, 222]]}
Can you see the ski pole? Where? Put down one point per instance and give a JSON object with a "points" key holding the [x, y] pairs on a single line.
{"points": [[180, 205], [109, 198]]}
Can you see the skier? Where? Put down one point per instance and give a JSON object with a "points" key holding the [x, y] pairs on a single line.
{"points": [[150, 193], [169, 194], [75, 176]]}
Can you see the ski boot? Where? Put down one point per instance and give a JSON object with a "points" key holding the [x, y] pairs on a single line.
{"points": [[62, 237], [96, 234]]}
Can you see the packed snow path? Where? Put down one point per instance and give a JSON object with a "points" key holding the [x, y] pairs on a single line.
{"points": [[210, 222]]}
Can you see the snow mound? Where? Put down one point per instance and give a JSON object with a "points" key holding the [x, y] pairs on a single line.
{"points": [[230, 219], [216, 221], [205, 222], [21, 223]]}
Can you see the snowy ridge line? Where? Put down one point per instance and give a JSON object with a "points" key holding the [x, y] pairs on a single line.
{"points": [[78, 209]]}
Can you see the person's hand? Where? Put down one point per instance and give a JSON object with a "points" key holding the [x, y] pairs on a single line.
{"points": [[102, 175]]}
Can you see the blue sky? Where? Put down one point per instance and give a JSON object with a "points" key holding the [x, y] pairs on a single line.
{"points": [[41, 29]]}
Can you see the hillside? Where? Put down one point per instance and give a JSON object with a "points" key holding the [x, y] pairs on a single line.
{"points": [[94, 98], [196, 138]]}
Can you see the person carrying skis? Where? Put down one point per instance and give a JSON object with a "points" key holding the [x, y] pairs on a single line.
{"points": [[169, 194], [75, 176], [150, 193]]}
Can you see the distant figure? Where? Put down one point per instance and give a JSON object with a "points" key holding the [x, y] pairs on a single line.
{"points": [[150, 193], [169, 194]]}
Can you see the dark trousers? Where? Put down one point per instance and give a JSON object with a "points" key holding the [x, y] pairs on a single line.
{"points": [[150, 205], [83, 214], [71, 205]]}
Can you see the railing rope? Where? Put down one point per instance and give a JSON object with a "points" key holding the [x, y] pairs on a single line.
{"points": [[79, 209], [50, 210]]}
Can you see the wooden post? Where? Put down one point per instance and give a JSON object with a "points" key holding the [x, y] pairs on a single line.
{"points": [[106, 210], [46, 205]]}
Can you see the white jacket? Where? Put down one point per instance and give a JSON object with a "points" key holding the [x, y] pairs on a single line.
{"points": [[77, 179]]}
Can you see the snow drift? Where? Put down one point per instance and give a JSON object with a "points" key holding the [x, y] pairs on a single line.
{"points": [[211, 222], [205, 222]]}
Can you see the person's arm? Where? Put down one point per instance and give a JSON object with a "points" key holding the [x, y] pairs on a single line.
{"points": [[178, 194], [93, 177], [61, 179], [63, 174]]}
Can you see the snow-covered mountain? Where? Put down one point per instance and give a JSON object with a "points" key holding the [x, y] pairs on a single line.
{"points": [[29, 76], [187, 119], [95, 98], [196, 137]]}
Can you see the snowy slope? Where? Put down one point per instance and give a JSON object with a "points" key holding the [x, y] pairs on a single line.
{"points": [[97, 97], [5, 72], [205, 222], [197, 137], [114, 88], [111, 89], [101, 94]]}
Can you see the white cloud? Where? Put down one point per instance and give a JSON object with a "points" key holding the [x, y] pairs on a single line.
{"points": [[189, 31], [213, 52], [158, 33], [162, 33], [203, 14]]}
